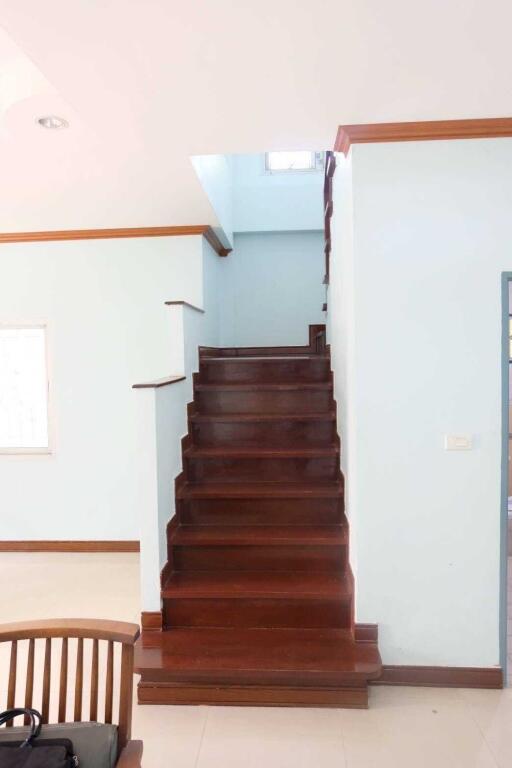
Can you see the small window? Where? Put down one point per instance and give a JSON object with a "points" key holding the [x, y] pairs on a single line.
{"points": [[293, 161], [23, 390]]}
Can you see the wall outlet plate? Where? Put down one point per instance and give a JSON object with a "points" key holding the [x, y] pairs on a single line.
{"points": [[458, 442]]}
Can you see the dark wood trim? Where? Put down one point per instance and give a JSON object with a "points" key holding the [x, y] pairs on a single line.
{"points": [[151, 621], [150, 692], [165, 573], [330, 168], [212, 238], [70, 546], [157, 383], [205, 230], [184, 304], [428, 130], [366, 633], [444, 677]]}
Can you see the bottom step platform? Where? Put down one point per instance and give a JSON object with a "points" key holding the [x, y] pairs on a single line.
{"points": [[255, 667]]}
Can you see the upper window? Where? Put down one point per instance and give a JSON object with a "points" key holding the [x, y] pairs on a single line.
{"points": [[293, 161], [23, 390]]}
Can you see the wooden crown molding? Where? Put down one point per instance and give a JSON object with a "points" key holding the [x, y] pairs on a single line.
{"points": [[205, 230], [429, 130], [69, 546]]}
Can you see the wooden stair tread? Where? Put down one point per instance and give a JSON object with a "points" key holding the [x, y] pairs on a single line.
{"points": [[249, 417], [257, 584], [262, 385], [261, 490], [251, 451], [273, 535], [259, 652]]}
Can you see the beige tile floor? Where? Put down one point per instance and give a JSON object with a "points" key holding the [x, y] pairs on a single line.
{"points": [[411, 727]]}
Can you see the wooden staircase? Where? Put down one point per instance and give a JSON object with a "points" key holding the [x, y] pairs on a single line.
{"points": [[257, 593]]}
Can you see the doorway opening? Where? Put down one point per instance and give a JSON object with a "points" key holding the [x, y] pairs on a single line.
{"points": [[506, 511]]}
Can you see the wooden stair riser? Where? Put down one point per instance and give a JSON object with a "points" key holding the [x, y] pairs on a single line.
{"points": [[214, 371], [264, 401], [257, 612], [276, 433], [307, 349], [256, 677], [264, 558], [263, 469], [250, 696], [309, 511]]}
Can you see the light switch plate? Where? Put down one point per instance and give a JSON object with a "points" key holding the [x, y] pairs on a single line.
{"points": [[458, 442]]}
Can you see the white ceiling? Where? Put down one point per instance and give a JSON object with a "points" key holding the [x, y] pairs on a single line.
{"points": [[146, 84]]}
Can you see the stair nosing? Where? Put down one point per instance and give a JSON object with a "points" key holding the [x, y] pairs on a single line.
{"points": [[250, 452], [264, 416]]}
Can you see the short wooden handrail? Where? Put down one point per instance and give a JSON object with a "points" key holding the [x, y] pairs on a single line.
{"points": [[157, 383]]}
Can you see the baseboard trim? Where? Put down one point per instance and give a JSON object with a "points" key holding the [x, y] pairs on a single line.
{"points": [[69, 546], [151, 621], [441, 677], [366, 633]]}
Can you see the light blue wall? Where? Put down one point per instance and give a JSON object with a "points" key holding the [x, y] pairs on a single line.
{"points": [[271, 285], [272, 288], [266, 202], [215, 172]]}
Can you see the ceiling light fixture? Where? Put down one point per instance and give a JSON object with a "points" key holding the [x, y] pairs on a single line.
{"points": [[52, 122]]}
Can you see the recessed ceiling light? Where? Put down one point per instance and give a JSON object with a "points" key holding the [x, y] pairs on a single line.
{"points": [[53, 122]]}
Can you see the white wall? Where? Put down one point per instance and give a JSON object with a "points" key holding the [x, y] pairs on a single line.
{"points": [[162, 422], [265, 202], [273, 288], [431, 229], [108, 328]]}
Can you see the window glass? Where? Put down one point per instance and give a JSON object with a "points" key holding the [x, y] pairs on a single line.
{"points": [[290, 161], [23, 388]]}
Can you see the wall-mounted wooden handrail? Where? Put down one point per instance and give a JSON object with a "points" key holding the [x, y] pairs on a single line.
{"points": [[205, 230]]}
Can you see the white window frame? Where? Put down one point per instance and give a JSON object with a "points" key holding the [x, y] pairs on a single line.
{"points": [[49, 449], [318, 164]]}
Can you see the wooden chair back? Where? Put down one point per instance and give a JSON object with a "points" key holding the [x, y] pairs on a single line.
{"points": [[83, 630]]}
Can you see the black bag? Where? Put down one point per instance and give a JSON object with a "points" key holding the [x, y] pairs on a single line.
{"points": [[34, 752]]}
